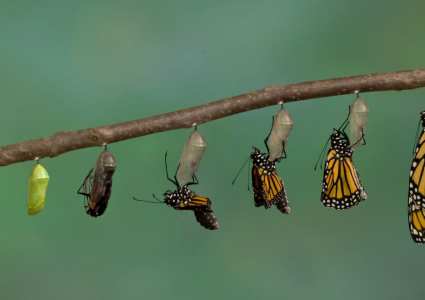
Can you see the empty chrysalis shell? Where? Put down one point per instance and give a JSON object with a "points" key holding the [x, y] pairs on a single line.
{"points": [[282, 126], [191, 157], [359, 113], [37, 186]]}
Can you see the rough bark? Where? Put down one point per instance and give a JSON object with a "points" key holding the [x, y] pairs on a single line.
{"points": [[65, 141]]}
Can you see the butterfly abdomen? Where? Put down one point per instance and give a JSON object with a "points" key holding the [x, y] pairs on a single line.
{"points": [[206, 218]]}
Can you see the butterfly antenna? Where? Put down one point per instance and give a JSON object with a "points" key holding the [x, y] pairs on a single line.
{"points": [[416, 138], [361, 139], [347, 120], [166, 171], [158, 201], [240, 170], [249, 162], [267, 138], [322, 153]]}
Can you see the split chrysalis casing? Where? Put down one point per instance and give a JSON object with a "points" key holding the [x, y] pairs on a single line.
{"points": [[359, 113], [282, 126], [191, 157]]}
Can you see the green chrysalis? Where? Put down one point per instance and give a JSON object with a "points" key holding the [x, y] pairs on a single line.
{"points": [[37, 186]]}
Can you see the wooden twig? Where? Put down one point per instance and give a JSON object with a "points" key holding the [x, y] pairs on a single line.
{"points": [[65, 141]]}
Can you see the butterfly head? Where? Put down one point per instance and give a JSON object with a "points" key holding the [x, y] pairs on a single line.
{"points": [[260, 160], [180, 195]]}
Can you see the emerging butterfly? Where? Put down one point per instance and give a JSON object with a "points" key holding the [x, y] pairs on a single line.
{"points": [[182, 198], [96, 187], [416, 210], [342, 188], [268, 187]]}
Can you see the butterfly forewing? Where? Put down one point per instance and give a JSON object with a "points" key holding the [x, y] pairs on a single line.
{"points": [[416, 203], [417, 178], [268, 187], [342, 188], [257, 186], [416, 222]]}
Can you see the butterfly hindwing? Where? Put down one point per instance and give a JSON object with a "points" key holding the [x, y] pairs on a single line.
{"points": [[282, 202], [416, 222], [268, 187], [257, 186], [417, 178]]}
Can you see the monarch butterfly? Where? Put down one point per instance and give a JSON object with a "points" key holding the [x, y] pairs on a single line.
{"points": [[182, 198], [37, 186], [96, 187], [268, 187], [191, 157], [342, 188], [416, 210]]}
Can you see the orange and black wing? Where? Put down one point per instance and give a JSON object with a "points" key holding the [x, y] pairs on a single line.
{"points": [[202, 209], [195, 202], [417, 193], [416, 222], [257, 186], [269, 190], [417, 178], [342, 188]]}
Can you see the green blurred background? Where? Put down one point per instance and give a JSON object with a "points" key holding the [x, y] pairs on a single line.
{"points": [[68, 65]]}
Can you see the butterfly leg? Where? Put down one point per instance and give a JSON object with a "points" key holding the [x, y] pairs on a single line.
{"points": [[267, 138], [166, 171], [347, 120], [361, 139], [194, 182], [284, 155]]}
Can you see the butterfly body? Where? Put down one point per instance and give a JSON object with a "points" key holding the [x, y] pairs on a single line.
{"points": [[182, 198], [342, 188], [185, 199], [416, 203], [268, 187]]}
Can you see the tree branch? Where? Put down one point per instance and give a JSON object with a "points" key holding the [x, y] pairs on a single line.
{"points": [[65, 141]]}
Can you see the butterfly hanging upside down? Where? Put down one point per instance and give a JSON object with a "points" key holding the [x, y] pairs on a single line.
{"points": [[182, 198], [268, 187], [342, 188], [416, 204]]}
